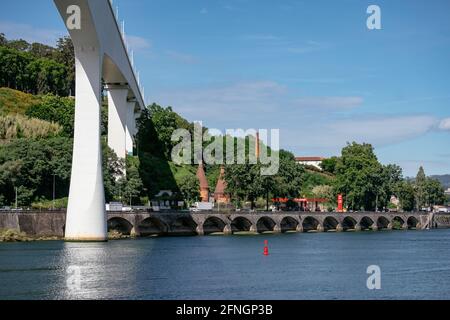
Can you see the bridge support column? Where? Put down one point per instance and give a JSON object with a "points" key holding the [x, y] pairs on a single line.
{"points": [[130, 128], [320, 228], [374, 227], [227, 230], [358, 227], [299, 228], [117, 119], [86, 213], [200, 231], [277, 229], [339, 228], [253, 229], [135, 232], [390, 226], [405, 226]]}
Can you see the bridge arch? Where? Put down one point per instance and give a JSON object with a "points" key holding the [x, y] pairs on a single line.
{"points": [[241, 224], [213, 225], [397, 223], [349, 223], [366, 223], [383, 223], [310, 224], [330, 223], [289, 224], [265, 224], [152, 227], [121, 225], [413, 223], [184, 226]]}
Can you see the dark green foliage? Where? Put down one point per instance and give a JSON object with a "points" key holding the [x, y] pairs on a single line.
{"points": [[55, 109], [329, 165], [245, 182], [406, 196], [358, 176], [30, 166], [189, 187], [37, 68]]}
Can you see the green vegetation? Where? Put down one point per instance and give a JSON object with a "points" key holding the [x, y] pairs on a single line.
{"points": [[16, 127], [37, 68], [17, 236], [15, 102], [368, 185]]}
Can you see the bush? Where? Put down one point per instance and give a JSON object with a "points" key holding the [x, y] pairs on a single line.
{"points": [[13, 236]]}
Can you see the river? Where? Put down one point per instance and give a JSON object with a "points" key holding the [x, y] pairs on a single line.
{"points": [[414, 265]]}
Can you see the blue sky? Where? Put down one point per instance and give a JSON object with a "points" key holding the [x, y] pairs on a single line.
{"points": [[309, 68]]}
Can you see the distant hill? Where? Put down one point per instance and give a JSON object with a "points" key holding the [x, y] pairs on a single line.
{"points": [[444, 179]]}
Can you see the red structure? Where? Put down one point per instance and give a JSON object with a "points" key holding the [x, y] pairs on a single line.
{"points": [[306, 204], [340, 203], [204, 188], [219, 195]]}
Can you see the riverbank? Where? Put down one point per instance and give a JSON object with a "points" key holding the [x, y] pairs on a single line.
{"points": [[10, 236], [17, 236]]}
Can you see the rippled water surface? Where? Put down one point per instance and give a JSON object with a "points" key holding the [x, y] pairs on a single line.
{"points": [[414, 264]]}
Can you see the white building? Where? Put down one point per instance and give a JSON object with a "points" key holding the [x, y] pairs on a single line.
{"points": [[447, 192], [310, 161]]}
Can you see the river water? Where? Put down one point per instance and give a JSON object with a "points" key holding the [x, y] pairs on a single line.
{"points": [[414, 265]]}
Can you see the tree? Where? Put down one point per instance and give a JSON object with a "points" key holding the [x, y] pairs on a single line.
{"points": [[19, 45], [65, 54], [329, 165], [34, 68], [189, 188], [3, 41], [391, 176], [113, 170], [129, 186], [55, 109], [434, 192], [420, 188], [358, 176], [406, 194], [40, 50]]}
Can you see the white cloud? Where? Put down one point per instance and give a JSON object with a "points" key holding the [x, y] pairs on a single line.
{"points": [[308, 46], [31, 33], [445, 124], [138, 43], [308, 125], [233, 102], [329, 103], [181, 57], [328, 137]]}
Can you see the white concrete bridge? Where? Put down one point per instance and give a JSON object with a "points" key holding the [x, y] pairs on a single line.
{"points": [[101, 55]]}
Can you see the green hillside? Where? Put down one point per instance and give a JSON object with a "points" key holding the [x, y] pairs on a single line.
{"points": [[16, 102]]}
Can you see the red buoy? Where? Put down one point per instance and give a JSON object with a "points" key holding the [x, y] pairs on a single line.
{"points": [[266, 248]]}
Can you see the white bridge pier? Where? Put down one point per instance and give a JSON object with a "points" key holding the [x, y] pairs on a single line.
{"points": [[101, 55]]}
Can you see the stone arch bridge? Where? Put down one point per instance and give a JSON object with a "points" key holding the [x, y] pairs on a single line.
{"points": [[148, 224], [52, 223]]}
